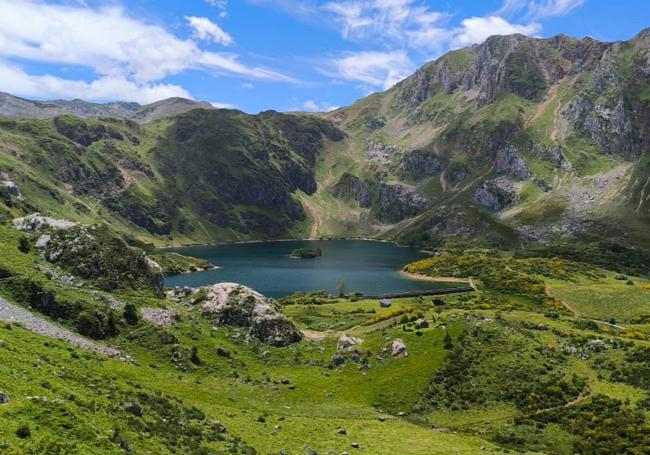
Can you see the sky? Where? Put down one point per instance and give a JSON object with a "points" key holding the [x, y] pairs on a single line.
{"points": [[255, 55]]}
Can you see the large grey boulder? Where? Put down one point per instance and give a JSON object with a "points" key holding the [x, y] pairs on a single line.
{"points": [[346, 342], [398, 349], [4, 398], [237, 305]]}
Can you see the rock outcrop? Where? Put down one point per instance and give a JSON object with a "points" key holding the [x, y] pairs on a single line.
{"points": [[240, 306], [554, 154], [351, 187], [496, 194], [418, 164], [93, 253], [508, 161], [397, 201]]}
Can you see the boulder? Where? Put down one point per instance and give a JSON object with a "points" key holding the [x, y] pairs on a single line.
{"points": [[11, 189], [237, 305], [398, 349], [4, 398], [346, 342], [421, 323], [337, 359]]}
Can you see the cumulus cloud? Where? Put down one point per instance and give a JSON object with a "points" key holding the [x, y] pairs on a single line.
{"points": [[313, 106], [118, 48], [476, 29], [205, 29], [14, 80], [374, 69], [223, 105]]}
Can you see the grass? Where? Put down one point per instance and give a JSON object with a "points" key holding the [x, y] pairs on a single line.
{"points": [[606, 299]]}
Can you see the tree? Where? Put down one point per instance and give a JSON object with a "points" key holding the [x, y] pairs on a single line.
{"points": [[340, 288], [448, 343], [131, 314]]}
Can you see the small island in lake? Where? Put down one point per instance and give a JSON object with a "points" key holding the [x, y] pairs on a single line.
{"points": [[306, 253]]}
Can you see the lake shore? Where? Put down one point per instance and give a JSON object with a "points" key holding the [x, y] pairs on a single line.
{"points": [[436, 279]]}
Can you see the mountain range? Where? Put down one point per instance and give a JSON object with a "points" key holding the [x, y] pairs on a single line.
{"points": [[513, 141]]}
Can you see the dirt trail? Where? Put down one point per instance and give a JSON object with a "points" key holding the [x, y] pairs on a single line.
{"points": [[312, 207], [643, 197], [550, 97], [14, 313], [443, 181]]}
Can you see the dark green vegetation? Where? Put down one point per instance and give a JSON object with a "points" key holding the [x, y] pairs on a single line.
{"points": [[203, 175], [307, 253], [174, 263]]}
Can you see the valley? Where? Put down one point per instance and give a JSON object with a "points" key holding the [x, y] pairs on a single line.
{"points": [[149, 302]]}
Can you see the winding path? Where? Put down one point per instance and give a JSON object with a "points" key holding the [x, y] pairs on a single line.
{"points": [[14, 313]]}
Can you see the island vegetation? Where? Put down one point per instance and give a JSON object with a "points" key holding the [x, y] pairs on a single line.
{"points": [[306, 253]]}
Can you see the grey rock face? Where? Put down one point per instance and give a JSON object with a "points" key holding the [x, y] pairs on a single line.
{"points": [[509, 161], [553, 154], [496, 194], [378, 151], [35, 223], [351, 187], [237, 305], [11, 188], [159, 316], [397, 202], [418, 164]]}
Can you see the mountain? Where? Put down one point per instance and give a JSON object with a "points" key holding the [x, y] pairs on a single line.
{"points": [[12, 106], [203, 175], [510, 142]]}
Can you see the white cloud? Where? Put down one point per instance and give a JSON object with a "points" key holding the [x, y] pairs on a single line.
{"points": [[223, 105], [205, 29], [114, 45], [14, 80], [477, 29], [538, 9], [247, 85], [389, 22], [374, 69], [549, 8], [313, 106]]}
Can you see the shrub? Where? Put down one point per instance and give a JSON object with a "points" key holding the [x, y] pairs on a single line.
{"points": [[23, 245], [23, 431], [131, 315]]}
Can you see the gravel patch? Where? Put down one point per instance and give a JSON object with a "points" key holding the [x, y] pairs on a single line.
{"points": [[14, 313]]}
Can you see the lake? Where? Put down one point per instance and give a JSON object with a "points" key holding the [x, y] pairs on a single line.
{"points": [[366, 266]]}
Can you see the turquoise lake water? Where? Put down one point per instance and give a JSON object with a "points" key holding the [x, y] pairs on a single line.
{"points": [[366, 266]]}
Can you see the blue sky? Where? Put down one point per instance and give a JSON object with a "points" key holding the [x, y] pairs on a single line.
{"points": [[265, 54]]}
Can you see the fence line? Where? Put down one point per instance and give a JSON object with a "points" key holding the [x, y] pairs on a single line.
{"points": [[440, 291]]}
